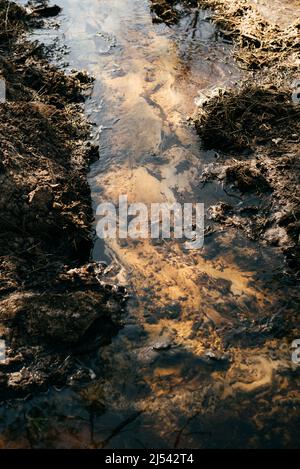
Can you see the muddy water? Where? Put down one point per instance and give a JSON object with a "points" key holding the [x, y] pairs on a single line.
{"points": [[197, 343]]}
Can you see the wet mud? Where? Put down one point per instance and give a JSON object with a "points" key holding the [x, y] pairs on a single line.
{"points": [[256, 134], [51, 295], [255, 130], [203, 359]]}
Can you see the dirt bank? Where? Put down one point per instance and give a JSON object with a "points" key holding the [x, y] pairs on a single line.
{"points": [[255, 129], [54, 306]]}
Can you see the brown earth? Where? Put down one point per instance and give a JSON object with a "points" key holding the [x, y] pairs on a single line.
{"points": [[51, 297], [255, 129]]}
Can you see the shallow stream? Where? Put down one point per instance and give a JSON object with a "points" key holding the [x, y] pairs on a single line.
{"points": [[181, 372]]}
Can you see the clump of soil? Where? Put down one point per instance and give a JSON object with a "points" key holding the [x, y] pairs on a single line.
{"points": [[247, 178], [241, 119], [52, 301]]}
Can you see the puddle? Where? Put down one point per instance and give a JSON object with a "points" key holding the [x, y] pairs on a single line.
{"points": [[198, 337]]}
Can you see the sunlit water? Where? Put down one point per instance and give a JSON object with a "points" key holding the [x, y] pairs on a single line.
{"points": [[159, 388]]}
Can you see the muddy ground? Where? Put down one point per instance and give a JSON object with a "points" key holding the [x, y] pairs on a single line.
{"points": [[54, 307], [255, 129]]}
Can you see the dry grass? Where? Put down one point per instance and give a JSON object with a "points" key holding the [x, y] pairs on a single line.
{"points": [[240, 119], [12, 20], [259, 42]]}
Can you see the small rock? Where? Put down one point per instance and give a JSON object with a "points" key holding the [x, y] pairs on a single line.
{"points": [[164, 345]]}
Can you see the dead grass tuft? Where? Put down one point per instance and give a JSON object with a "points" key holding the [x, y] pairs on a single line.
{"points": [[259, 43], [241, 119]]}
